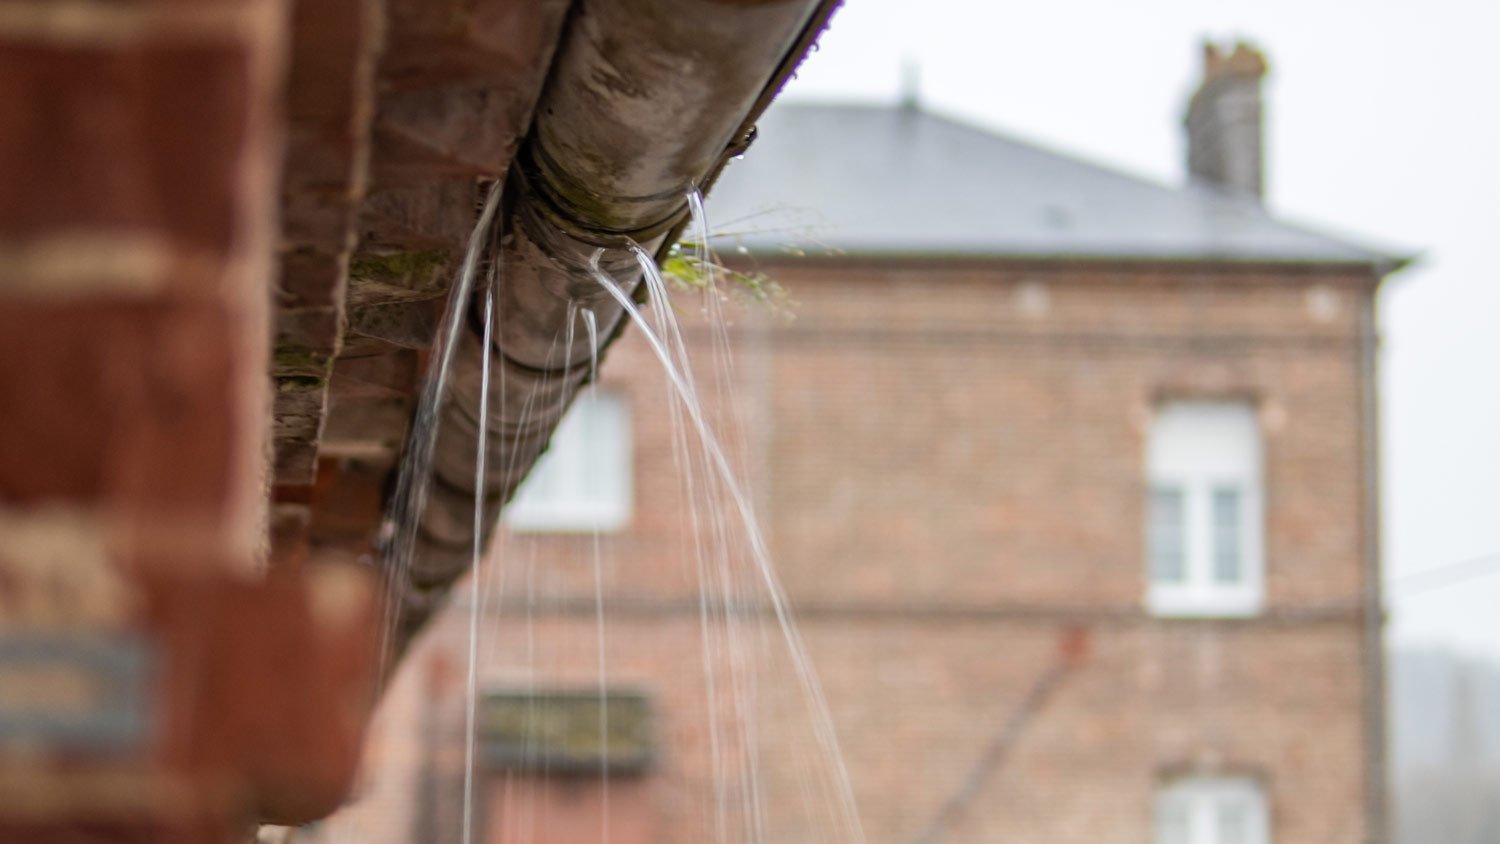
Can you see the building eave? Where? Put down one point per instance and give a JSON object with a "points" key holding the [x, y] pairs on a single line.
{"points": [[1379, 268]]}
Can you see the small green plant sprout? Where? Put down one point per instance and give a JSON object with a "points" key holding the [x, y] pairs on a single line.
{"points": [[689, 267]]}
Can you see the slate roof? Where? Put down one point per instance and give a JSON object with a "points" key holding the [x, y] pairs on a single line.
{"points": [[893, 181]]}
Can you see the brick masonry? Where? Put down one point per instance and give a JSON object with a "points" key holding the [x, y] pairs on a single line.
{"points": [[135, 233], [949, 459], [139, 149]]}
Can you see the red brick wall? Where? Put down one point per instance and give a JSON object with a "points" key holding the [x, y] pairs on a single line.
{"points": [[139, 163], [991, 457], [945, 441], [949, 465], [136, 186]]}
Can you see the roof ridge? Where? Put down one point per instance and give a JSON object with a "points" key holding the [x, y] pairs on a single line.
{"points": [[989, 133], [949, 186]]}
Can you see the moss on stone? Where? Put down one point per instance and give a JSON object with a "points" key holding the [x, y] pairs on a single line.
{"points": [[407, 269], [294, 359], [300, 382]]}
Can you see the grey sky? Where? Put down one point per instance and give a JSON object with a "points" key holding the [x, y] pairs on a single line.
{"points": [[1383, 123]]}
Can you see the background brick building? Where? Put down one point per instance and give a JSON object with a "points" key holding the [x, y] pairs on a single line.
{"points": [[1070, 479]]}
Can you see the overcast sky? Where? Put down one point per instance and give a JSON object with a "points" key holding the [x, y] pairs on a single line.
{"points": [[1383, 123]]}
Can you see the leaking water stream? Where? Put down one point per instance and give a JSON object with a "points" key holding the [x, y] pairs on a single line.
{"points": [[743, 622]]}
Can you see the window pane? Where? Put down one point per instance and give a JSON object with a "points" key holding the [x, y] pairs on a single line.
{"points": [[1173, 823], [1166, 539], [583, 482], [1211, 810], [1228, 533], [1234, 823], [542, 482], [596, 470], [1204, 541]]}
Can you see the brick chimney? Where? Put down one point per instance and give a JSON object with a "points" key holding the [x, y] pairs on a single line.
{"points": [[1224, 120]]}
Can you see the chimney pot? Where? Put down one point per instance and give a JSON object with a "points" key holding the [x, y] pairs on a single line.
{"points": [[1224, 120]]}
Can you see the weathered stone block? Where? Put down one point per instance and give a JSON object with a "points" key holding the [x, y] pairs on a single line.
{"points": [[438, 214], [347, 501], [310, 277], [409, 325], [135, 136], [295, 461], [382, 276], [306, 341], [366, 426], [447, 132], [391, 375], [505, 41], [320, 216]]}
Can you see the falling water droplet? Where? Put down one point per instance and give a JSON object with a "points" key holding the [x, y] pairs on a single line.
{"points": [[666, 343]]}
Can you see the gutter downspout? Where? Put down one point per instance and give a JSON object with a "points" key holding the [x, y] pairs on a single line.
{"points": [[1377, 789], [645, 99]]}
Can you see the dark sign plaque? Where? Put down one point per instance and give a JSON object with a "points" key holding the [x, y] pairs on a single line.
{"points": [[567, 732], [74, 691]]}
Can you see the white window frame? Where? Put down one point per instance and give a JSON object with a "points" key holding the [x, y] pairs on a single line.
{"points": [[1197, 807], [1199, 450], [584, 481]]}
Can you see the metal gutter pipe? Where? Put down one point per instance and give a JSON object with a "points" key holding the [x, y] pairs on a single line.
{"points": [[646, 99], [1372, 634]]}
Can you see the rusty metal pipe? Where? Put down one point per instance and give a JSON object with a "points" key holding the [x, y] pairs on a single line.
{"points": [[646, 99]]}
